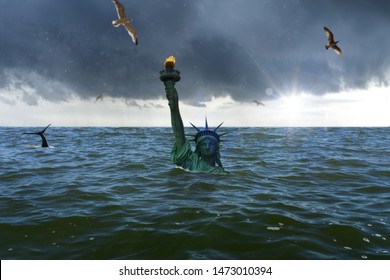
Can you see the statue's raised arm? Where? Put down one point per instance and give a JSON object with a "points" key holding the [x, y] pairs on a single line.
{"points": [[170, 77]]}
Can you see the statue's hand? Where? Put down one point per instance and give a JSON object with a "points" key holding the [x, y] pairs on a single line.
{"points": [[171, 94]]}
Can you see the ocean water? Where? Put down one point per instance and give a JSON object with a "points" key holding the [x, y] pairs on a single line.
{"points": [[113, 193]]}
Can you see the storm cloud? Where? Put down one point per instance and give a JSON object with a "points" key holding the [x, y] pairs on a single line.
{"points": [[56, 49]]}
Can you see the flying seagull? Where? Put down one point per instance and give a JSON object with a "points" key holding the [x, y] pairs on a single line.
{"points": [[100, 96], [258, 103], [331, 43], [125, 21], [42, 134]]}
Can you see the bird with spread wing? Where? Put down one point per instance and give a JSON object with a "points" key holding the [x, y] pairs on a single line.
{"points": [[331, 43], [125, 21], [258, 103], [100, 97]]}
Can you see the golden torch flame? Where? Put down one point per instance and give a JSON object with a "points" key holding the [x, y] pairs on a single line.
{"points": [[170, 62]]}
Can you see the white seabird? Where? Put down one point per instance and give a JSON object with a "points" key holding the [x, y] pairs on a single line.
{"points": [[125, 21]]}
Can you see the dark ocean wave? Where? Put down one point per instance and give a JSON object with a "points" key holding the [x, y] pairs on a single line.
{"points": [[113, 193]]}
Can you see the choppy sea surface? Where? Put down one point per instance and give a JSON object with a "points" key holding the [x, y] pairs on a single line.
{"points": [[113, 193]]}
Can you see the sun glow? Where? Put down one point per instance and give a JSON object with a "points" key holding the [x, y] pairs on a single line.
{"points": [[291, 106], [368, 107]]}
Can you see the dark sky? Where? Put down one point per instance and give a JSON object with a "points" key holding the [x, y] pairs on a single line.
{"points": [[222, 47]]}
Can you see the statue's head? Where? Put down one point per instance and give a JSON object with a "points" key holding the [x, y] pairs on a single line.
{"points": [[207, 143], [207, 146]]}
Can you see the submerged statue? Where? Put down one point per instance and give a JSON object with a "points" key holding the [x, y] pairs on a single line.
{"points": [[206, 157]]}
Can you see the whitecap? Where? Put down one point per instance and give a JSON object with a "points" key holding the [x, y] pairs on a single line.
{"points": [[273, 228]]}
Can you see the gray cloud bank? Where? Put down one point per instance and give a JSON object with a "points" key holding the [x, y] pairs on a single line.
{"points": [[240, 48]]}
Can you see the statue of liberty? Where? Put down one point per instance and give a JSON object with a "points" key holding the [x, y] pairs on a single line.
{"points": [[206, 157]]}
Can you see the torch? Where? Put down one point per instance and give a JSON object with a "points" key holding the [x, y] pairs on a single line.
{"points": [[169, 74], [169, 77]]}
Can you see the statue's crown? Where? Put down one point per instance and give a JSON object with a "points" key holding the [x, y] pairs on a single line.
{"points": [[207, 132]]}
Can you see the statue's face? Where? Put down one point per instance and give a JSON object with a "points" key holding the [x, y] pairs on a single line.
{"points": [[208, 146]]}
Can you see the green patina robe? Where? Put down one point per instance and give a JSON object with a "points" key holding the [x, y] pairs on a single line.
{"points": [[188, 160]]}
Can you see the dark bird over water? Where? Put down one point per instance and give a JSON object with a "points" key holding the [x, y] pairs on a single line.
{"points": [[258, 103], [331, 43], [100, 96], [42, 134], [125, 21]]}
